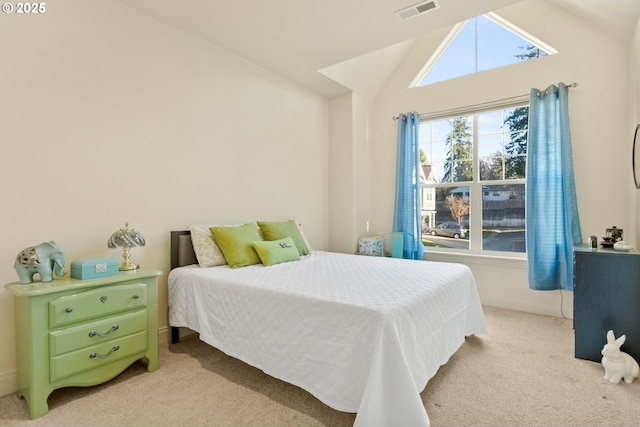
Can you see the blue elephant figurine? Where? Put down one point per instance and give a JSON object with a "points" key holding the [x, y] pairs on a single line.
{"points": [[45, 259]]}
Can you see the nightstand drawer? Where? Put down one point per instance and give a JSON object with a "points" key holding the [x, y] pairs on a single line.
{"points": [[97, 355], [96, 303], [97, 332]]}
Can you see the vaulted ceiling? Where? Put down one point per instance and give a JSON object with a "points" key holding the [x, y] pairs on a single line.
{"points": [[307, 41]]}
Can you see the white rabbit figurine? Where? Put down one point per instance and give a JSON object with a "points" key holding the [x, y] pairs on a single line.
{"points": [[618, 364]]}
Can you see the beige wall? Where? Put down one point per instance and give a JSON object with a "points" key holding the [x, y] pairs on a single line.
{"points": [[341, 174], [110, 116], [350, 172], [600, 125]]}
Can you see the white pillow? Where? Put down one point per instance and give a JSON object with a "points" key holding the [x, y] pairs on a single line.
{"points": [[207, 251], [306, 242]]}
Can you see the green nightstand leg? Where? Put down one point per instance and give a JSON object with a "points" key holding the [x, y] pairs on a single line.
{"points": [[153, 362], [37, 403]]}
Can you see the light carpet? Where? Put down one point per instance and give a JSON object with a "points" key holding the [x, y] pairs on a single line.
{"points": [[522, 373]]}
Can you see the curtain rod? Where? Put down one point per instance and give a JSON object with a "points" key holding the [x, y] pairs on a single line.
{"points": [[488, 104]]}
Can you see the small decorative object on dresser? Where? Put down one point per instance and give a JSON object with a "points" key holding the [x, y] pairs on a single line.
{"points": [[618, 364], [45, 259], [622, 246], [126, 238], [93, 267], [614, 233]]}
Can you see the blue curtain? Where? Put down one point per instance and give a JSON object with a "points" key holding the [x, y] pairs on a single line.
{"points": [[408, 207], [553, 225]]}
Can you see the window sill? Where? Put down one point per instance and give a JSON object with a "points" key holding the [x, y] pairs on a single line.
{"points": [[474, 258]]}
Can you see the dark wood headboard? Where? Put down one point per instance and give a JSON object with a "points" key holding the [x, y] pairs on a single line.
{"points": [[181, 254], [182, 249]]}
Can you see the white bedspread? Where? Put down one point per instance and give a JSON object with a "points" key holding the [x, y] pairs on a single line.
{"points": [[362, 334]]}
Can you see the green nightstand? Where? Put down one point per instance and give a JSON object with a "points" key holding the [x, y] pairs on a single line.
{"points": [[72, 332]]}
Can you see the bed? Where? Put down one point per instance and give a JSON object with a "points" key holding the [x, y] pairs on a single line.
{"points": [[362, 334]]}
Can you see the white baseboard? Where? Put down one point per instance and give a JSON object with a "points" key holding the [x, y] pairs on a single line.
{"points": [[8, 383]]}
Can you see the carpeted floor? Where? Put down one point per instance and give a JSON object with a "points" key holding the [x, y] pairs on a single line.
{"points": [[522, 373]]}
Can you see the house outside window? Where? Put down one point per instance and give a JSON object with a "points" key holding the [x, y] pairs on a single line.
{"points": [[473, 175]]}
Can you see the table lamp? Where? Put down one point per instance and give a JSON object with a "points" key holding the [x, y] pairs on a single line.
{"points": [[126, 238]]}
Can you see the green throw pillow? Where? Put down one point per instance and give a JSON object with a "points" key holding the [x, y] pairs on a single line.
{"points": [[276, 251], [280, 230], [235, 244]]}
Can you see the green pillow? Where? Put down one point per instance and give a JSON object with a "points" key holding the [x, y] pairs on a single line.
{"points": [[276, 251], [280, 230], [235, 244]]}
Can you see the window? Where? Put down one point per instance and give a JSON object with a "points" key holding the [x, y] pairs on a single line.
{"points": [[473, 177], [478, 44]]}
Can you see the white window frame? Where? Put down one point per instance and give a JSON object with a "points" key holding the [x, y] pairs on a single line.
{"points": [[451, 36], [475, 187]]}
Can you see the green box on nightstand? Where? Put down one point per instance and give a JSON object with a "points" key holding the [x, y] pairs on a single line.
{"points": [[92, 268]]}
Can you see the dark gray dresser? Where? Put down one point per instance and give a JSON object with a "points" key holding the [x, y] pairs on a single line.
{"points": [[606, 295]]}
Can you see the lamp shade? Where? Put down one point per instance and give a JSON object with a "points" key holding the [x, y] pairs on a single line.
{"points": [[126, 238]]}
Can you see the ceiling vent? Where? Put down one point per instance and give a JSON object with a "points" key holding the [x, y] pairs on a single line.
{"points": [[417, 9]]}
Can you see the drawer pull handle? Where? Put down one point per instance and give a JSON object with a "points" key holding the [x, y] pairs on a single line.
{"points": [[68, 309], [104, 356], [136, 296], [113, 328], [103, 299]]}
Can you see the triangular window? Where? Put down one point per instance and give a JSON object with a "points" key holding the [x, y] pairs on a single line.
{"points": [[479, 44]]}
